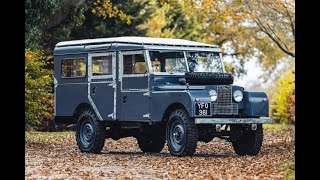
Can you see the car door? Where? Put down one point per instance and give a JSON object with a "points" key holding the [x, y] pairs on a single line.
{"points": [[134, 90], [102, 84]]}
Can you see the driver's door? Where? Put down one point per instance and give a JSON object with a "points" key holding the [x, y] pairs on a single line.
{"points": [[134, 86]]}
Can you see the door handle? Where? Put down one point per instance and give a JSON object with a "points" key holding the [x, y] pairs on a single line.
{"points": [[125, 99], [94, 91]]}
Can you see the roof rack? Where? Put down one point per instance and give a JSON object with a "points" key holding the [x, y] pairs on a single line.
{"points": [[137, 40]]}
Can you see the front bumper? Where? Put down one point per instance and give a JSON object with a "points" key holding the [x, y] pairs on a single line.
{"points": [[233, 121]]}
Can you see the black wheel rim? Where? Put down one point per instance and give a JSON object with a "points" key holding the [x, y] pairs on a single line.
{"points": [[177, 135], [86, 132]]}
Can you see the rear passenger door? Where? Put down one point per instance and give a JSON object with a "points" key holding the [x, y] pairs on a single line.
{"points": [[102, 86]]}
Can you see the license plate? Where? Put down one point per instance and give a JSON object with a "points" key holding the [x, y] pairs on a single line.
{"points": [[203, 109]]}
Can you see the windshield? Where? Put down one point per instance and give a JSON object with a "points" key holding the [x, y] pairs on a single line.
{"points": [[204, 62], [168, 62]]}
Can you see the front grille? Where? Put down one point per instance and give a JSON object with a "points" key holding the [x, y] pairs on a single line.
{"points": [[224, 95], [224, 105]]}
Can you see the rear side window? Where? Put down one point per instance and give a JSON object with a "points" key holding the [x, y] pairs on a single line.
{"points": [[73, 68], [101, 65]]}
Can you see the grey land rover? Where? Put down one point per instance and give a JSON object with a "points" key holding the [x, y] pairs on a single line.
{"points": [[154, 89]]}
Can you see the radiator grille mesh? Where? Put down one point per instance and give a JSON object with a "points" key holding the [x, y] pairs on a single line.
{"points": [[224, 105]]}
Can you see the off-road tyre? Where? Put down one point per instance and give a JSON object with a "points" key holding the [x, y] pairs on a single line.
{"points": [[248, 142], [151, 143], [185, 142], [90, 132]]}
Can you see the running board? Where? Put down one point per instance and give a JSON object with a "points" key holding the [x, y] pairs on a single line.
{"points": [[71, 125], [233, 121]]}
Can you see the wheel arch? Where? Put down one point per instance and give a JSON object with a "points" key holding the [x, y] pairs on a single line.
{"points": [[171, 108], [78, 110]]}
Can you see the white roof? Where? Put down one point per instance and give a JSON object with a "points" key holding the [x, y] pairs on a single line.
{"points": [[139, 40]]}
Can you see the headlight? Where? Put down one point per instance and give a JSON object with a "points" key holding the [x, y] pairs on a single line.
{"points": [[238, 95], [213, 94]]}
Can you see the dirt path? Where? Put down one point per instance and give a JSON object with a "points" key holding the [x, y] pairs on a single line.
{"points": [[59, 158]]}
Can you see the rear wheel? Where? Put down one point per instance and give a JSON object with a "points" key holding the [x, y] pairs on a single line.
{"points": [[151, 143], [90, 133], [182, 134], [247, 141]]}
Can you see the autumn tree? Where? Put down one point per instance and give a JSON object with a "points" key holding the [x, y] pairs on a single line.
{"points": [[264, 29], [232, 25], [204, 21], [36, 16], [96, 25], [276, 19], [50, 21], [38, 91]]}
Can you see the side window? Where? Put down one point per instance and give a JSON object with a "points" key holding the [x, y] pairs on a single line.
{"points": [[101, 65], [128, 64], [73, 68], [134, 64]]}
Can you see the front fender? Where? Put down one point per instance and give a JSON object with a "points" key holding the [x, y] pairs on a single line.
{"points": [[256, 104], [161, 100]]}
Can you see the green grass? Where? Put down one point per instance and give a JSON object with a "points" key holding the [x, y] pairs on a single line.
{"points": [[288, 169], [46, 137]]}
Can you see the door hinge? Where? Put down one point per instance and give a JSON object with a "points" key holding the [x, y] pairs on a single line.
{"points": [[112, 115], [146, 94], [146, 115], [113, 84]]}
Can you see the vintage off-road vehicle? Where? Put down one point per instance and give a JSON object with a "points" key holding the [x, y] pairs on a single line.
{"points": [[154, 89]]}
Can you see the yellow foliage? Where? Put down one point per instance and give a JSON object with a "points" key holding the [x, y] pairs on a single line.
{"points": [[283, 98], [156, 25], [38, 91], [28, 55], [105, 9]]}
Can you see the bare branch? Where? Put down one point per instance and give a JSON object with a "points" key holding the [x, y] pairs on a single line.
{"points": [[269, 31], [275, 34], [275, 41], [221, 41], [291, 20], [232, 54]]}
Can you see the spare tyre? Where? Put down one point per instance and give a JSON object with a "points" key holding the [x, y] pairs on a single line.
{"points": [[205, 78]]}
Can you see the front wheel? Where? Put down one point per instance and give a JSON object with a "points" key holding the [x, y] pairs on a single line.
{"points": [[182, 134], [247, 141], [91, 132]]}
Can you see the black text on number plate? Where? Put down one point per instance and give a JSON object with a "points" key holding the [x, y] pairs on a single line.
{"points": [[203, 109]]}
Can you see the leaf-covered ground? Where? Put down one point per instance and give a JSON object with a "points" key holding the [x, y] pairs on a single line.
{"points": [[56, 156]]}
